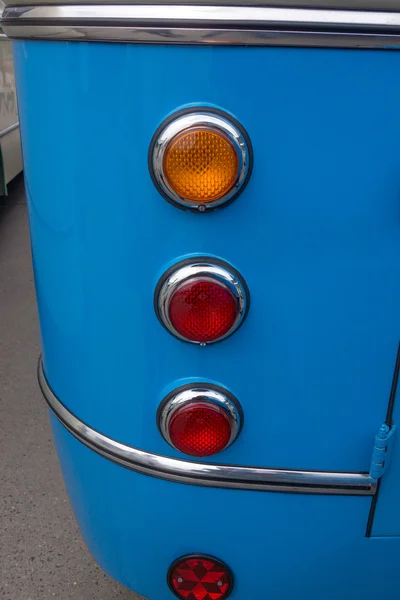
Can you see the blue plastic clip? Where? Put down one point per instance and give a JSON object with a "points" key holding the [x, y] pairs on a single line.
{"points": [[382, 451]]}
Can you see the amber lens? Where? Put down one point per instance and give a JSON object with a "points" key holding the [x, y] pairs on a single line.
{"points": [[201, 164]]}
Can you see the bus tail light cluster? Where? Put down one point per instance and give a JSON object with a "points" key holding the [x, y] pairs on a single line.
{"points": [[200, 159], [201, 300], [199, 577], [200, 419]]}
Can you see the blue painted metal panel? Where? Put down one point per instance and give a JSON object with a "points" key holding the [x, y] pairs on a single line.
{"points": [[280, 546], [316, 236]]}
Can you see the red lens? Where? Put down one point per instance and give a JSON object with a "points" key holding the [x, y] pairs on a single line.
{"points": [[200, 429], [200, 579], [203, 310]]}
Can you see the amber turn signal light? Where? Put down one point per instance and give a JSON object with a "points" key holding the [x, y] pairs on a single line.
{"points": [[200, 160]]}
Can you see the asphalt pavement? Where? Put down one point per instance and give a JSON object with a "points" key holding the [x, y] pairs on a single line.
{"points": [[42, 555]]}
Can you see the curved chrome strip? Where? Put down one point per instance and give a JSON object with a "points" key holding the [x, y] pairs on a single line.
{"points": [[183, 24], [9, 129], [208, 474]]}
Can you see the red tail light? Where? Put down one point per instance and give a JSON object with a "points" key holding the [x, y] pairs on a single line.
{"points": [[203, 310], [200, 429], [200, 578], [201, 301], [200, 420]]}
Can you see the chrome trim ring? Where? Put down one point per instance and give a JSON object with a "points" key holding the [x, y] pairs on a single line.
{"points": [[208, 474], [193, 24], [195, 268], [201, 392], [190, 120]]}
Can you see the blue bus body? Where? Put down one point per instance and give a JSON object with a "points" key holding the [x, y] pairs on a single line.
{"points": [[315, 234]]}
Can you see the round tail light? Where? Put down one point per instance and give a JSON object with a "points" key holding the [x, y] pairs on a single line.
{"points": [[200, 420], [200, 160], [201, 301], [197, 577]]}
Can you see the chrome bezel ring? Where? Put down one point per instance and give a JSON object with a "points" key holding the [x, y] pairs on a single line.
{"points": [[199, 392], [204, 268], [193, 119]]}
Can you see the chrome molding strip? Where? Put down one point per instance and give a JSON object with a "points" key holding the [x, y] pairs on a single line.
{"points": [[208, 474], [190, 24], [9, 129]]}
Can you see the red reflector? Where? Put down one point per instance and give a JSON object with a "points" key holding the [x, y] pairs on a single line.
{"points": [[201, 300], [200, 429], [200, 578], [203, 310]]}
